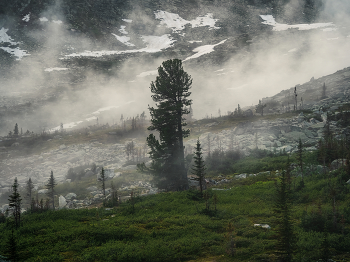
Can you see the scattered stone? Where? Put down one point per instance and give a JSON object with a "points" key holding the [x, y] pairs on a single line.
{"points": [[92, 188], [43, 191], [338, 163], [62, 202], [71, 196]]}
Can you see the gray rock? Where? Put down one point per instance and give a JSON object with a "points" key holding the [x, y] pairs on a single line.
{"points": [[92, 188], [89, 174], [43, 191], [71, 196], [241, 176], [338, 163], [294, 136], [62, 202]]}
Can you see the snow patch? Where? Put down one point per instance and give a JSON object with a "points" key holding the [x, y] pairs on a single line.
{"points": [[292, 50], [329, 29], [43, 19], [65, 126], [154, 44], [270, 20], [122, 30], [16, 52], [104, 109], [148, 73], [195, 41], [55, 69], [57, 22], [5, 38], [124, 39], [177, 23], [202, 50], [127, 20], [26, 18]]}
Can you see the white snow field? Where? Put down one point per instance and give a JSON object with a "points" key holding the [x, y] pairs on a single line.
{"points": [[127, 20], [55, 69], [5, 38], [153, 44], [103, 109], [65, 126], [123, 39], [177, 23], [270, 20], [148, 73], [26, 18], [202, 50], [16, 52], [43, 19], [122, 30], [57, 22]]}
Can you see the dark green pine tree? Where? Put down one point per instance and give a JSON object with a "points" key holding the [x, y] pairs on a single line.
{"points": [[103, 180], [260, 108], [51, 189], [325, 245], [284, 225], [15, 131], [199, 167], [29, 187], [170, 93], [299, 157], [11, 249], [15, 204]]}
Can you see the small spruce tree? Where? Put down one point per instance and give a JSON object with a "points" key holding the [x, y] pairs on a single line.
{"points": [[199, 167], [15, 204], [15, 131], [29, 187], [11, 249], [299, 157], [51, 191], [103, 180], [284, 224], [260, 108]]}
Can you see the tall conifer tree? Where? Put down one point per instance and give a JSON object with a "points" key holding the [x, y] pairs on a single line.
{"points": [[284, 225], [51, 191], [170, 93], [15, 204], [199, 167]]}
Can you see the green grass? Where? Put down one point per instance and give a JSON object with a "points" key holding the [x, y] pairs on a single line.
{"points": [[173, 227]]}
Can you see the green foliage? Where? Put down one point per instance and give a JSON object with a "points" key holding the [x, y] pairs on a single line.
{"points": [[15, 204], [182, 226], [283, 211], [199, 167], [170, 92], [51, 183], [11, 248], [260, 108]]}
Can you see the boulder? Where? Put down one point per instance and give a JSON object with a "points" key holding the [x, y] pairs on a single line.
{"points": [[92, 188], [295, 135], [241, 176], [4, 208], [71, 196], [338, 163], [43, 191], [89, 174], [62, 202]]}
